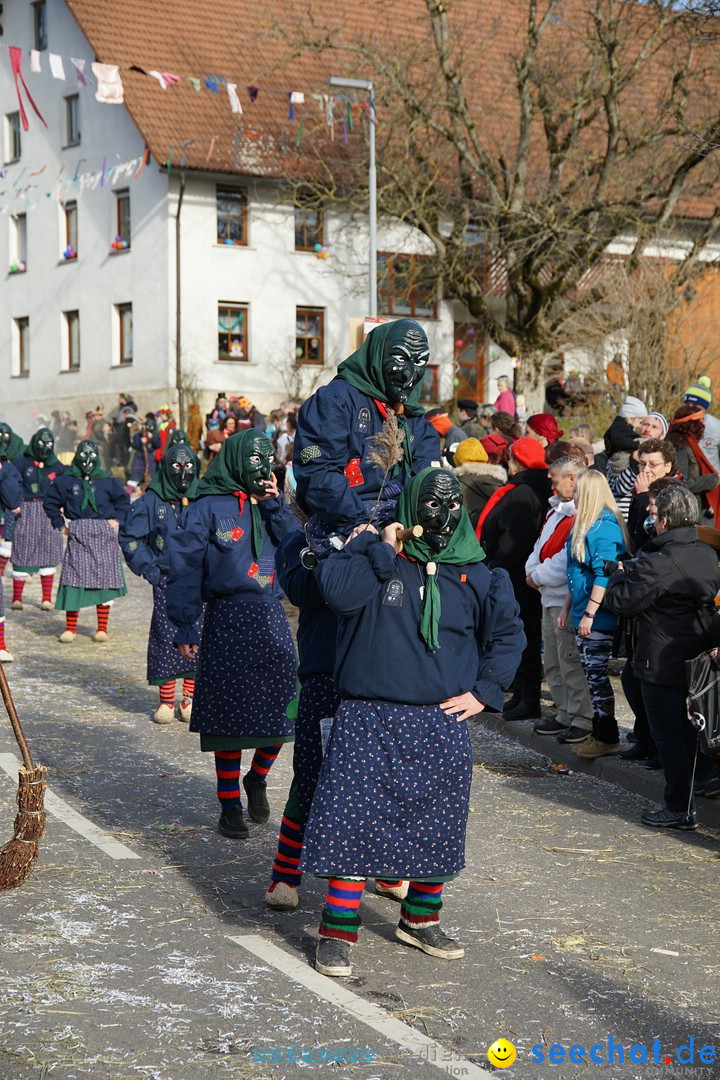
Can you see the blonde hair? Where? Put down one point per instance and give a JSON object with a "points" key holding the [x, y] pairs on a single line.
{"points": [[592, 496]]}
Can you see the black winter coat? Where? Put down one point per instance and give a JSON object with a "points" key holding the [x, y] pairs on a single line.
{"points": [[513, 525], [675, 618]]}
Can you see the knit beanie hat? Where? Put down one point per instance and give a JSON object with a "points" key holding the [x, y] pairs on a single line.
{"points": [[529, 453], [631, 408], [700, 393], [546, 425], [659, 416], [470, 450]]}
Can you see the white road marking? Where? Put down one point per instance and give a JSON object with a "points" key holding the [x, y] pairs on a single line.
{"points": [[429, 1051], [65, 813]]}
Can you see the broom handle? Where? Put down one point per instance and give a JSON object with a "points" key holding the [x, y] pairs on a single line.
{"points": [[15, 720], [413, 533]]}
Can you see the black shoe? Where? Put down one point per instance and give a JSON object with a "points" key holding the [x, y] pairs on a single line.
{"points": [[430, 939], [333, 958], [631, 737], [670, 819], [653, 763], [231, 823], [526, 710], [551, 726], [256, 791], [637, 752], [573, 735], [712, 788]]}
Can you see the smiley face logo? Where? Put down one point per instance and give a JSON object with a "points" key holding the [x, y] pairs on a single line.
{"points": [[501, 1054]]}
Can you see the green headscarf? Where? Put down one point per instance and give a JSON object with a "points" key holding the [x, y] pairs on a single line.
{"points": [[225, 477], [364, 370], [177, 436], [15, 447], [463, 548], [162, 484], [97, 473]]}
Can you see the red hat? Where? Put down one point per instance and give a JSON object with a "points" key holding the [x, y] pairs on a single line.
{"points": [[529, 453], [546, 425], [496, 447]]}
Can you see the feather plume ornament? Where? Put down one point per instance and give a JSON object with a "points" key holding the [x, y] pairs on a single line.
{"points": [[386, 452]]}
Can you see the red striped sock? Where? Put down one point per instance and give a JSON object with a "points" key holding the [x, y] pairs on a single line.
{"points": [[3, 563], [18, 586], [287, 858], [71, 621], [264, 759], [2, 633], [103, 614], [227, 769], [188, 688], [46, 584], [167, 693]]}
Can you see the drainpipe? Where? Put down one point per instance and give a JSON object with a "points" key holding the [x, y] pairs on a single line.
{"points": [[178, 310]]}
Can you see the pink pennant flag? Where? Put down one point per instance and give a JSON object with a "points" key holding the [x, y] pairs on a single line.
{"points": [[19, 79]]}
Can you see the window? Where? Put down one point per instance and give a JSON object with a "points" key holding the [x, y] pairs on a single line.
{"points": [[309, 336], [125, 326], [122, 223], [18, 243], [232, 331], [13, 144], [231, 217], [40, 24], [22, 348], [407, 285], [308, 228], [72, 342], [71, 231], [72, 120]]}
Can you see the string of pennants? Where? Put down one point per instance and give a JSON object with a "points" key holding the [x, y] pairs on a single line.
{"points": [[22, 188], [109, 89]]}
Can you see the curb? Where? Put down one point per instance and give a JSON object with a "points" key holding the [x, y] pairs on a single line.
{"points": [[630, 776]]}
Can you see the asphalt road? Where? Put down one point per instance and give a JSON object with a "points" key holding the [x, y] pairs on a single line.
{"points": [[140, 946]]}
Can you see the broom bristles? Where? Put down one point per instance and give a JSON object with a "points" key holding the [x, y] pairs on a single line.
{"points": [[18, 855]]}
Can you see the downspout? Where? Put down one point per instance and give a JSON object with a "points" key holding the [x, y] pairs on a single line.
{"points": [[178, 310]]}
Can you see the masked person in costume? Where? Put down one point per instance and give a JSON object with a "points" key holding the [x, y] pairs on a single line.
{"points": [[336, 483], [11, 447], [37, 546], [178, 437], [224, 556], [10, 501], [427, 637], [143, 445], [144, 542], [94, 505]]}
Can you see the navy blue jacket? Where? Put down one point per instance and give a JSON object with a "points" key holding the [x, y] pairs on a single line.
{"points": [[212, 558], [10, 488], [144, 534], [334, 479], [29, 476], [380, 654], [317, 624], [64, 499]]}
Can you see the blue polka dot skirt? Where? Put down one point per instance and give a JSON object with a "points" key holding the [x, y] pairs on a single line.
{"points": [[393, 794], [164, 662], [246, 670]]}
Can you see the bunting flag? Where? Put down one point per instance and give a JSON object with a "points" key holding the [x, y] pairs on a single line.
{"points": [[235, 105], [19, 78], [81, 77], [56, 66], [109, 84], [35, 62]]}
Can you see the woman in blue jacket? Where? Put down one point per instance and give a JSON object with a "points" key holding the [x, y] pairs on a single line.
{"points": [[599, 535], [144, 542], [427, 637], [225, 557], [10, 499], [95, 505], [37, 545]]}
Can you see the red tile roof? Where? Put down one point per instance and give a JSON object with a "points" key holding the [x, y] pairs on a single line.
{"points": [[255, 45]]}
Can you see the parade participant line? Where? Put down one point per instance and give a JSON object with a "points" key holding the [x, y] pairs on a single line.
{"points": [[427, 1050], [65, 813]]}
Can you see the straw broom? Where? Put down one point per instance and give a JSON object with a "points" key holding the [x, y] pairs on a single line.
{"points": [[18, 855]]}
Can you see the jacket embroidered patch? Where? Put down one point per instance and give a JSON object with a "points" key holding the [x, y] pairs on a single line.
{"points": [[353, 473]]}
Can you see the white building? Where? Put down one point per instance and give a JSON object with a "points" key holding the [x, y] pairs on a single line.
{"points": [[213, 275]]}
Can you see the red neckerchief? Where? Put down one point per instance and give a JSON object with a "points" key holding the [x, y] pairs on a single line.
{"points": [[558, 538], [384, 409], [490, 505]]}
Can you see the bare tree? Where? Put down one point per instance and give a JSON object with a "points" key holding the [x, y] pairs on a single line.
{"points": [[523, 139]]}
